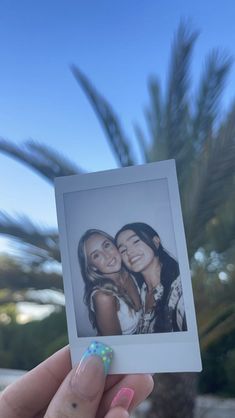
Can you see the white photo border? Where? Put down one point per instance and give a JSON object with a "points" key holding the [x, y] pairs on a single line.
{"points": [[143, 353]]}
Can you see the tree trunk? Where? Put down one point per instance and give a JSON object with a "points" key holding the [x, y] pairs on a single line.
{"points": [[173, 396]]}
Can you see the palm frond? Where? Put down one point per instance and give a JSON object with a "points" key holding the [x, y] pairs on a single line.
{"points": [[225, 327], [210, 90], [140, 136], [214, 302], [19, 277], [210, 184], [221, 228], [154, 116], [209, 320], [41, 244], [41, 158], [12, 296], [109, 121], [177, 118]]}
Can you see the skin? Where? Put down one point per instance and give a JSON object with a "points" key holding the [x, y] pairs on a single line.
{"points": [[47, 391], [103, 256], [138, 257], [106, 314]]}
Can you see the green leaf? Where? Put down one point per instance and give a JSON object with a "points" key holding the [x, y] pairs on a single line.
{"points": [[41, 244], [177, 117], [110, 123], [208, 98], [18, 276], [41, 158], [210, 184]]}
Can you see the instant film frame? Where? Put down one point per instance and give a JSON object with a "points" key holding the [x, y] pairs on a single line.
{"points": [[107, 200]]}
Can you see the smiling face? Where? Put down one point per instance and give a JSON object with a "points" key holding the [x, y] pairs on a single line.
{"points": [[102, 255], [136, 255]]}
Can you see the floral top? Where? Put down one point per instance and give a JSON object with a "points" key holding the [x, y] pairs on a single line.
{"points": [[168, 313]]}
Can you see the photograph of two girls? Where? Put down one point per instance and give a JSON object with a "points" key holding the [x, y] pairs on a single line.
{"points": [[125, 267], [132, 284]]}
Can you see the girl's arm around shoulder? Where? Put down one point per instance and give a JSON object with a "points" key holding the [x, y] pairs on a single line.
{"points": [[106, 307]]}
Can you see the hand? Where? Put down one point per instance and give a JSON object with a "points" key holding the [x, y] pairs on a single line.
{"points": [[53, 390]]}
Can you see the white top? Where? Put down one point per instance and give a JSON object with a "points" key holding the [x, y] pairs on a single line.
{"points": [[128, 317]]}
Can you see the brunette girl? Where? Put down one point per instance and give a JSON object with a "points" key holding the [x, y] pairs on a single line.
{"points": [[161, 292]]}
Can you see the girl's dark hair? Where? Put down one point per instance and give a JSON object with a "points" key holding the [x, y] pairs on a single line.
{"points": [[169, 270]]}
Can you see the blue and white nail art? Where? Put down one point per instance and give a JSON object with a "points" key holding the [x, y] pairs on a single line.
{"points": [[101, 350]]}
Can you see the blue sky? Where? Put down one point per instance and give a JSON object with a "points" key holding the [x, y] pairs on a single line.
{"points": [[118, 45]]}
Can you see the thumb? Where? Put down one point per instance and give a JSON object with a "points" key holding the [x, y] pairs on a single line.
{"points": [[81, 391]]}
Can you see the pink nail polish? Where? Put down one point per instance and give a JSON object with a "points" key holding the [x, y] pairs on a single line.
{"points": [[123, 398]]}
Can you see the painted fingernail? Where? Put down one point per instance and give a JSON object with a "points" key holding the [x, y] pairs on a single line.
{"points": [[101, 350], [123, 398], [90, 374], [88, 377]]}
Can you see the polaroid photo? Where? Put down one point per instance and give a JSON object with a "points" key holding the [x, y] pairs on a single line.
{"points": [[125, 268]]}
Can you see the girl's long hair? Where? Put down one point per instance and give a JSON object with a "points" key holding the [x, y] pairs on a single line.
{"points": [[94, 280], [169, 270]]}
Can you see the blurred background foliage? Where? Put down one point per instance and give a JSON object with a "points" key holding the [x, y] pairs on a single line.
{"points": [[185, 123]]}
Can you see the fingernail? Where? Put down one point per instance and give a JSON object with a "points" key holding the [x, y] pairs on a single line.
{"points": [[123, 398], [90, 374], [101, 350]]}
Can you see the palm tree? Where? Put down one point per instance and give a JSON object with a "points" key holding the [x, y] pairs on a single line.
{"points": [[184, 125]]}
